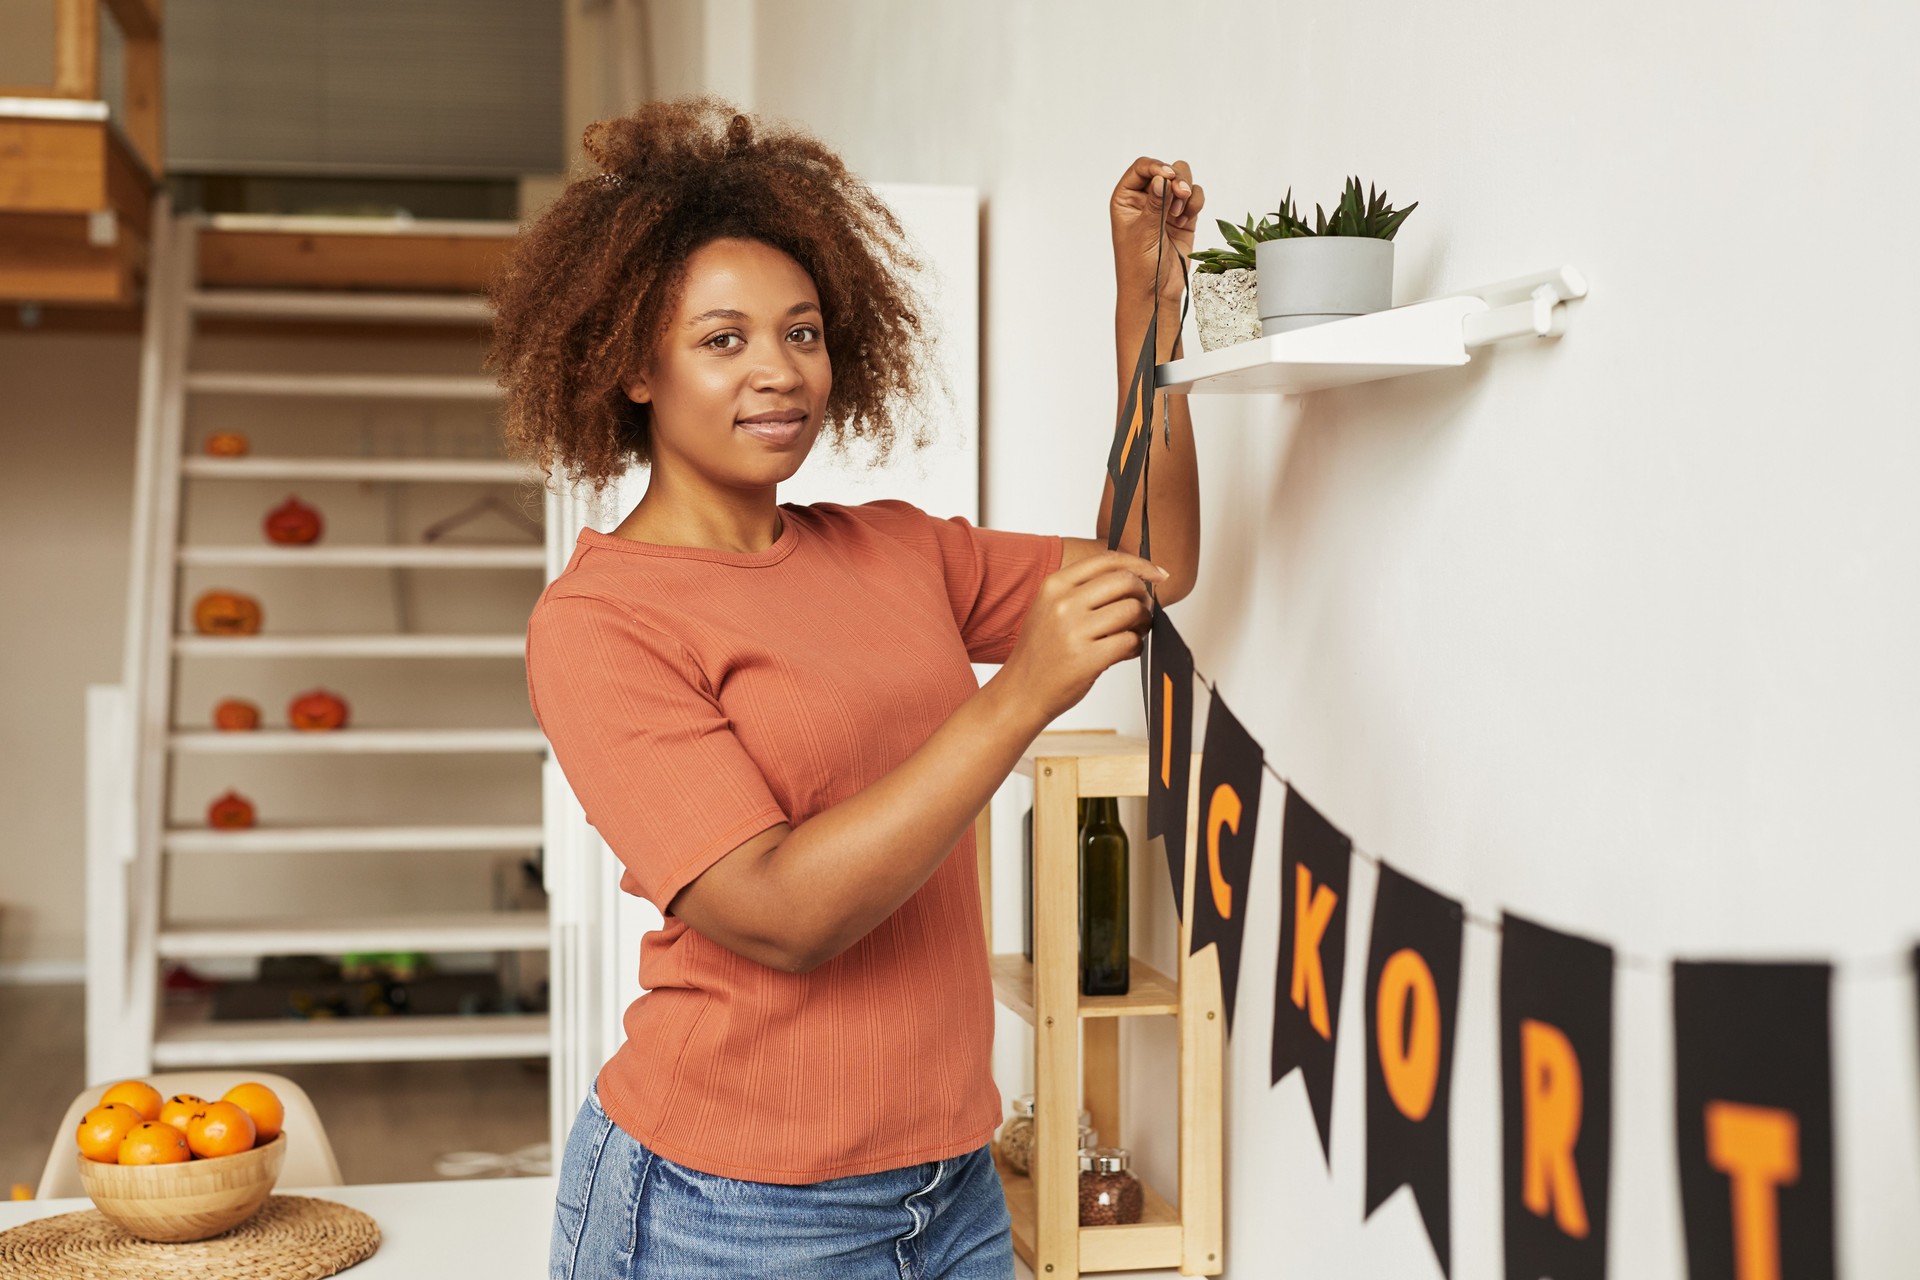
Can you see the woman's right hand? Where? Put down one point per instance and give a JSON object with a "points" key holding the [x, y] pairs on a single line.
{"points": [[1087, 616]]}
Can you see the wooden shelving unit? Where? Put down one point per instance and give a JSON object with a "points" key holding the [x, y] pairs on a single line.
{"points": [[1077, 1042]]}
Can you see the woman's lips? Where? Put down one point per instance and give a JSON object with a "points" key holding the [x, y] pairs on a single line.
{"points": [[774, 432]]}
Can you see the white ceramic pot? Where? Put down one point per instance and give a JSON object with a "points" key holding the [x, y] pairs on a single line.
{"points": [[1308, 280], [1225, 307]]}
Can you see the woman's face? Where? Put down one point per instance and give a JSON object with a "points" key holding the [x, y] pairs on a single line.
{"points": [[738, 383]]}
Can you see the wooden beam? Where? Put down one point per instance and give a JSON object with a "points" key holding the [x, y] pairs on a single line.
{"points": [[311, 260], [53, 166], [138, 19], [76, 48], [141, 114], [52, 258]]}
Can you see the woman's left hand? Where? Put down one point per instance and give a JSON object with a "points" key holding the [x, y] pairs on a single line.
{"points": [[1135, 214]]}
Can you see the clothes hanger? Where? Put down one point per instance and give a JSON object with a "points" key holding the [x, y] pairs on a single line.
{"points": [[479, 507]]}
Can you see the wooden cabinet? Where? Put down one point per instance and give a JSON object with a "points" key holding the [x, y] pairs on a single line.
{"points": [[1077, 1041]]}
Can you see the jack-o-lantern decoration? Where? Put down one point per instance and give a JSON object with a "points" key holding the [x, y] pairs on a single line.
{"points": [[226, 613], [293, 522], [317, 709], [231, 812], [227, 444], [235, 713]]}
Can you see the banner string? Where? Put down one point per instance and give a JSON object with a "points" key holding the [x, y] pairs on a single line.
{"points": [[1901, 964]]}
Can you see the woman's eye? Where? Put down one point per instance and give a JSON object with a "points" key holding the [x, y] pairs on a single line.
{"points": [[720, 336], [812, 331]]}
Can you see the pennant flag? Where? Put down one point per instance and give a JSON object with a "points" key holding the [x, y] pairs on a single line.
{"points": [[1131, 434], [1313, 953], [1556, 1110], [1753, 1110], [1413, 999], [1230, 766], [1170, 750]]}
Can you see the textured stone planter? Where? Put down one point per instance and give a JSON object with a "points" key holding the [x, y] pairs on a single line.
{"points": [[1310, 280], [1225, 309]]}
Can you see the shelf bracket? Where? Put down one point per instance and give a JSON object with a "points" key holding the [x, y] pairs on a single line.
{"points": [[1525, 306]]}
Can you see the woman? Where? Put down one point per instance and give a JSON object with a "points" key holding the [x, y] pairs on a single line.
{"points": [[768, 711]]}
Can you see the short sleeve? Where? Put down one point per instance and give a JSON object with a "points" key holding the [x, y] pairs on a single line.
{"points": [[992, 576], [649, 752]]}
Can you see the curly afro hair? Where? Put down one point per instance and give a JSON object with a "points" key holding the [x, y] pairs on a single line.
{"points": [[589, 287]]}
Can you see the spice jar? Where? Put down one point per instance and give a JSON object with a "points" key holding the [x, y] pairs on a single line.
{"points": [[1017, 1134], [1109, 1195]]}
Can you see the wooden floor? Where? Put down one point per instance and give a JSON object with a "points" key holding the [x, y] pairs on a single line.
{"points": [[388, 1122]]}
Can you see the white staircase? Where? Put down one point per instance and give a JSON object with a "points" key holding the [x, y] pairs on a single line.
{"points": [[140, 734]]}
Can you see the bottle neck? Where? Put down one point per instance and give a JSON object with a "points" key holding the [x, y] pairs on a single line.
{"points": [[1102, 811]]}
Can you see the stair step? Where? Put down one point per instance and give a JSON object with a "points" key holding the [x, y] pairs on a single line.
{"points": [[382, 386], [465, 470], [378, 557], [364, 646], [372, 308], [352, 839], [407, 1038], [352, 741], [442, 931]]}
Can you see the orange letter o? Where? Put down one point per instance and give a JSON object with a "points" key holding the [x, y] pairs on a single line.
{"points": [[1410, 1062]]}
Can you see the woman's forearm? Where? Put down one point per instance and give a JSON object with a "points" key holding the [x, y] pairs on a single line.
{"points": [[845, 870], [1174, 485]]}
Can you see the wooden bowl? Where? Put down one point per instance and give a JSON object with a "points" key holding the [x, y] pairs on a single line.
{"points": [[174, 1203]]}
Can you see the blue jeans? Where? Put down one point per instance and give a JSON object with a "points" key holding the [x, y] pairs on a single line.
{"points": [[624, 1213]]}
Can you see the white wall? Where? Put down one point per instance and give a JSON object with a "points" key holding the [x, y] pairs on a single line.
{"points": [[1617, 632]]}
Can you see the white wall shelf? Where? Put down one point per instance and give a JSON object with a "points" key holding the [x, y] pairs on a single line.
{"points": [[347, 646], [370, 557], [368, 839], [180, 1042], [447, 931], [378, 386], [462, 470], [1439, 333], [249, 742]]}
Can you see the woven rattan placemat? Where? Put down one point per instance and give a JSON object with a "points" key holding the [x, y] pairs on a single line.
{"points": [[291, 1238]]}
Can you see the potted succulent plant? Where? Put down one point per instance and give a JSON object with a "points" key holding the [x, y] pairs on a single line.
{"points": [[1341, 266], [1225, 285]]}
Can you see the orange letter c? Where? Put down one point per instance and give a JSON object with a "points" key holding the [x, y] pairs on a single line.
{"points": [[1223, 809]]}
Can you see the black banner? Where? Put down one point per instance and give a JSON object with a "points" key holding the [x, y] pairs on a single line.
{"points": [[1753, 1114], [1314, 856], [1170, 750], [1131, 434], [1556, 1100], [1230, 767], [1413, 999]]}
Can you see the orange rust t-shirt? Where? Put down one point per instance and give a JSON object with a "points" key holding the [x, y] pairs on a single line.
{"points": [[696, 697]]}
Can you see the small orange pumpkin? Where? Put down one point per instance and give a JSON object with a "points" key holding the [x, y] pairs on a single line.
{"points": [[235, 713], [317, 709], [226, 613], [227, 444], [231, 812], [293, 523]]}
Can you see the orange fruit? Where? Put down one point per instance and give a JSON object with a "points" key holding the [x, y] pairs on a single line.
{"points": [[219, 1129], [261, 1103], [175, 1110], [154, 1142], [103, 1128], [138, 1094]]}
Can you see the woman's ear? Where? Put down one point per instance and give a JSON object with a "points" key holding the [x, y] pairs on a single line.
{"points": [[637, 389]]}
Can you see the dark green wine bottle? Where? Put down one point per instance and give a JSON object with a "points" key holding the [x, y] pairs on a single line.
{"points": [[1103, 901]]}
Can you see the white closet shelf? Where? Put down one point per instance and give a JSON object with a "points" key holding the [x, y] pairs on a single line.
{"points": [[301, 935], [352, 741], [1438, 333], [504, 837], [465, 470], [376, 557], [371, 308], [369, 646], [378, 386], [180, 1042]]}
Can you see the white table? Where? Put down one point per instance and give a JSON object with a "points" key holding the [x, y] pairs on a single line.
{"points": [[473, 1229]]}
